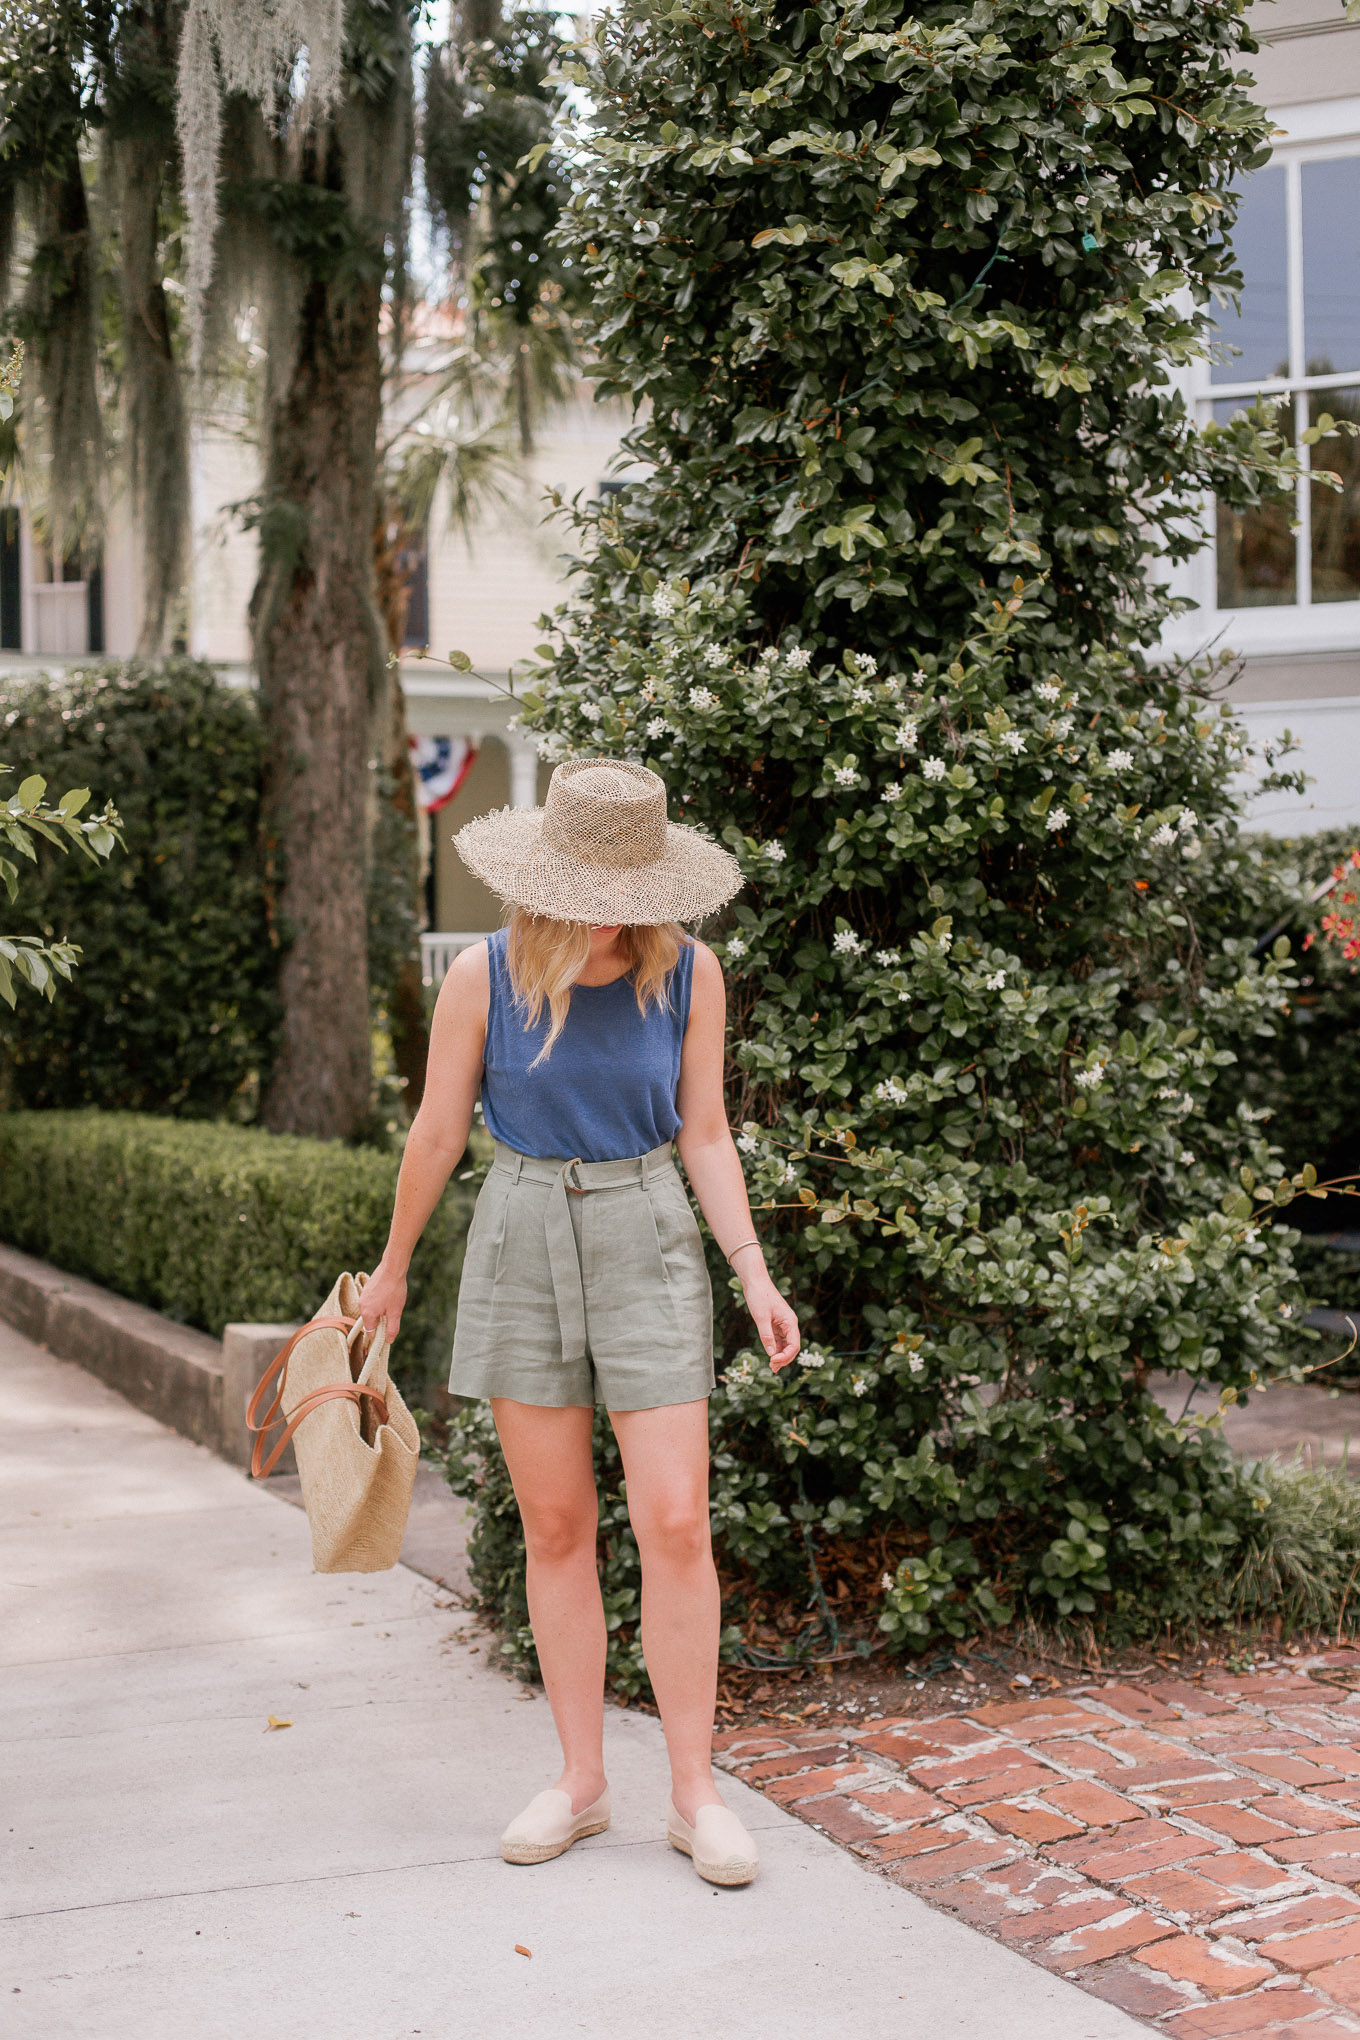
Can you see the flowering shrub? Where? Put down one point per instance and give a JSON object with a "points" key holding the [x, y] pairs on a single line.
{"points": [[900, 294]]}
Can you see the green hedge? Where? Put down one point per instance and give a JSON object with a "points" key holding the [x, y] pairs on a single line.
{"points": [[210, 1223]]}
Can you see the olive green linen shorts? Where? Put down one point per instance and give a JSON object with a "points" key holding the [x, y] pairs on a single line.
{"points": [[584, 1282]]}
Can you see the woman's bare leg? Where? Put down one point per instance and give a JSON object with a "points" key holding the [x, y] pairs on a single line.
{"points": [[548, 1453], [665, 1463]]}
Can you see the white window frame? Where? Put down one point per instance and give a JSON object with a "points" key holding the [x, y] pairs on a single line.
{"points": [[1312, 133]]}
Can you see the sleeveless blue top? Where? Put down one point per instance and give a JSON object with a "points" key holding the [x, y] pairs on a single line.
{"points": [[607, 1091]]}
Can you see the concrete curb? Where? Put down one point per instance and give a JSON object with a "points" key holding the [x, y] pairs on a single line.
{"points": [[177, 1375]]}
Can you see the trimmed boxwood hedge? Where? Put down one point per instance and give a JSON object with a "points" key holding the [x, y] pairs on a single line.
{"points": [[211, 1223]]}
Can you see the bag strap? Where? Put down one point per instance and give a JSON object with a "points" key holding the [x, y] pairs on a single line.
{"points": [[347, 1391]]}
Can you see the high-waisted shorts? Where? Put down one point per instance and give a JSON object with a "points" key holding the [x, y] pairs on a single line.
{"points": [[584, 1282]]}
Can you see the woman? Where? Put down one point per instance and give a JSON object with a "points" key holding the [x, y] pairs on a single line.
{"points": [[593, 1028]]}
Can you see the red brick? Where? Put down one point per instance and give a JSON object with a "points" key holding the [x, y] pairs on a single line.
{"points": [[1002, 1784], [1031, 1877], [899, 1802], [961, 1770], [1208, 1792], [839, 1817], [1341, 1981], [1131, 1834], [974, 1900], [1317, 1947], [921, 1841], [1050, 1923], [796, 1760], [1028, 1823], [1192, 1698], [955, 1732], [1136, 1745], [1315, 1847], [741, 1739], [965, 1855], [1018, 1715], [1340, 1795], [1306, 1816], [806, 1784], [1339, 1756], [1291, 1915], [1092, 1804], [1233, 1739], [1181, 1891], [1264, 2011], [1239, 1824], [1173, 1771], [1133, 1990], [1088, 1756], [1135, 1702], [902, 1748], [1245, 1873], [1289, 1770], [1114, 1865], [1192, 1960], [1095, 1943]]}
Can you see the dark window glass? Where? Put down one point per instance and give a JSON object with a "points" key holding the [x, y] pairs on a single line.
{"points": [[1331, 265], [1336, 515], [11, 613], [1260, 331], [1257, 562]]}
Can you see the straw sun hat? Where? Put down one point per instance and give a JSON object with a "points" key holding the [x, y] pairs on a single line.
{"points": [[600, 850]]}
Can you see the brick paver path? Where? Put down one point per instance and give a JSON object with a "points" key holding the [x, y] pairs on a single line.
{"points": [[1190, 1852]]}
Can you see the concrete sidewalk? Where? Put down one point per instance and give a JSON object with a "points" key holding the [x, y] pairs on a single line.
{"points": [[175, 1870]]}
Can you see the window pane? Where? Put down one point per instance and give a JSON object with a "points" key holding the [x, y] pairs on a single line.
{"points": [[1336, 517], [1331, 265], [1257, 561], [1261, 330]]}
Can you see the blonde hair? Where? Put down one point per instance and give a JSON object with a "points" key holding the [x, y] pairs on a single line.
{"points": [[545, 958]]}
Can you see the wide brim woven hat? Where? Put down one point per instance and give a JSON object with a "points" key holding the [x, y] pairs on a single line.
{"points": [[600, 850]]}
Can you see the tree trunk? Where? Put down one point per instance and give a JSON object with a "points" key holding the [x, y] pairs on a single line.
{"points": [[319, 652]]}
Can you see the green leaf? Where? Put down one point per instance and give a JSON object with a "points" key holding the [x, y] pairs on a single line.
{"points": [[32, 790]]}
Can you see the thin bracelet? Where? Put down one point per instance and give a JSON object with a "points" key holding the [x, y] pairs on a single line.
{"points": [[752, 1242]]}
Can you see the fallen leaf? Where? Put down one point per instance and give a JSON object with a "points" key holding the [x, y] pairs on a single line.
{"points": [[520, 1949], [276, 1721]]}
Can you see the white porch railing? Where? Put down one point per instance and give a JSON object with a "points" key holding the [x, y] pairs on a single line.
{"points": [[437, 953]]}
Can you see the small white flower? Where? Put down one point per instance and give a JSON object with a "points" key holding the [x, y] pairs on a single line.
{"points": [[1191, 848], [1187, 821], [919, 677], [1056, 818], [1168, 1091], [1087, 1080], [1286, 1310], [748, 1143], [892, 791], [1166, 834], [866, 662], [789, 1173], [1048, 690], [800, 658], [1120, 760], [1187, 1159], [915, 1364], [659, 727], [845, 775], [774, 851], [997, 981], [847, 943], [736, 945], [893, 682], [810, 1357], [887, 1582], [890, 1092], [702, 697], [932, 768], [905, 739], [663, 602], [709, 655], [592, 711], [860, 697], [887, 957], [1014, 740], [946, 943], [859, 1386], [770, 654], [1061, 727]]}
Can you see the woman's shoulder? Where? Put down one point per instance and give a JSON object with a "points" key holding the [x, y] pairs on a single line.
{"points": [[706, 971]]}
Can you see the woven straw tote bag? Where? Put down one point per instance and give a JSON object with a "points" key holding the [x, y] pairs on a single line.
{"points": [[356, 1442]]}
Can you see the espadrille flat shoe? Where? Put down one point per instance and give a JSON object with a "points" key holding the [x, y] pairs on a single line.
{"points": [[548, 1827], [718, 1844]]}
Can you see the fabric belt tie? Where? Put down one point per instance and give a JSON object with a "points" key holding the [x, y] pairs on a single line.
{"points": [[574, 1178]]}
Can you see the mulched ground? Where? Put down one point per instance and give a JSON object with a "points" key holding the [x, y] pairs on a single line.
{"points": [[1184, 1844]]}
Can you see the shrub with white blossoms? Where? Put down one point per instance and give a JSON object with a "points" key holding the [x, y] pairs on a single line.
{"points": [[960, 993]]}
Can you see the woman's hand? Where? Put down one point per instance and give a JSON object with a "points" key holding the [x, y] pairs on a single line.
{"points": [[776, 1320], [384, 1296]]}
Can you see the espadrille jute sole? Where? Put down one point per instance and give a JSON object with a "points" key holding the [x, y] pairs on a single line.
{"points": [[544, 1852], [730, 1874]]}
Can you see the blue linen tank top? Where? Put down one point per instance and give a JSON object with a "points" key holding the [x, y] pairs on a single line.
{"points": [[607, 1091]]}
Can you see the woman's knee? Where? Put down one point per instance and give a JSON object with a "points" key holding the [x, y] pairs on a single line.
{"points": [[557, 1531], [675, 1531]]}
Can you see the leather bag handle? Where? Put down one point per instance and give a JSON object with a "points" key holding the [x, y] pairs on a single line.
{"points": [[334, 1391]]}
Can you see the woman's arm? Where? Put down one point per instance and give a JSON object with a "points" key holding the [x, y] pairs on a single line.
{"points": [[439, 1131], [713, 1165]]}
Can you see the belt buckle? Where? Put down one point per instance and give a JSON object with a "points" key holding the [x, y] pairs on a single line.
{"points": [[576, 1189]]}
